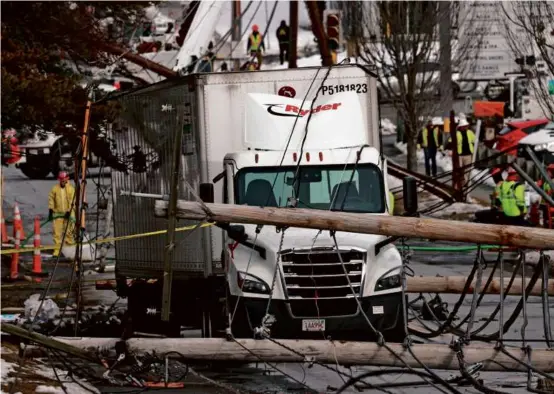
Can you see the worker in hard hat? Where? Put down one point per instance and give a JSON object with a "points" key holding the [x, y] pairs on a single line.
{"points": [[465, 138], [255, 45], [61, 211], [493, 215], [513, 201], [430, 139]]}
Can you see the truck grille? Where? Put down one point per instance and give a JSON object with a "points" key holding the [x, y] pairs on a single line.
{"points": [[318, 275]]}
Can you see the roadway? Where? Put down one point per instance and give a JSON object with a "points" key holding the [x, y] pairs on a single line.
{"points": [[32, 198]]}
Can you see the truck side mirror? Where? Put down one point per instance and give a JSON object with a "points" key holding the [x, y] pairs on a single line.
{"points": [[207, 192], [237, 232], [409, 187]]}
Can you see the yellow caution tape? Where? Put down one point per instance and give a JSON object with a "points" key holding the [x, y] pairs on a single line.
{"points": [[107, 240]]}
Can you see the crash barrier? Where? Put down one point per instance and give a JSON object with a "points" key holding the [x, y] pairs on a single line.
{"points": [[108, 240]]}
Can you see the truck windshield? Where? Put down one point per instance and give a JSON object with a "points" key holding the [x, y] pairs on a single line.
{"points": [[350, 189]]}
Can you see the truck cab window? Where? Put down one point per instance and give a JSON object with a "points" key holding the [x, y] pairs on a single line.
{"points": [[333, 187]]}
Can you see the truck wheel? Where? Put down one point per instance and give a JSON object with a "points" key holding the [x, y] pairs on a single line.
{"points": [[32, 172]]}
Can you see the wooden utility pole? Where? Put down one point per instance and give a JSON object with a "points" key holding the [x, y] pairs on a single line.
{"points": [[236, 23], [446, 230], [455, 285], [317, 27], [183, 118], [81, 205], [139, 60], [293, 27], [434, 356]]}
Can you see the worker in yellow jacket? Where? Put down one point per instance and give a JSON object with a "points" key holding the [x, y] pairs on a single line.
{"points": [[61, 211]]}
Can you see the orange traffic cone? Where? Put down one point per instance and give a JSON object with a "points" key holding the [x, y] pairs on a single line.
{"points": [[14, 271], [5, 239], [37, 260], [17, 222]]}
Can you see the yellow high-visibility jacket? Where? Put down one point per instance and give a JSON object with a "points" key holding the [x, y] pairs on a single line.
{"points": [[61, 199]]}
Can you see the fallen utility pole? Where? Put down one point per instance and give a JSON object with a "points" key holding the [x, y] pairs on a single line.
{"points": [[435, 356], [456, 284], [139, 60], [431, 284], [445, 230], [63, 346]]}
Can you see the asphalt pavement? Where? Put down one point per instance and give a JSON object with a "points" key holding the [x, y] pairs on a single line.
{"points": [[32, 195]]}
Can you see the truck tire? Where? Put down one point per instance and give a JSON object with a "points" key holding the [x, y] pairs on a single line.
{"points": [[33, 172]]}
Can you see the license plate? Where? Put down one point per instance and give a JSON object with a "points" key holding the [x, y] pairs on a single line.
{"points": [[313, 325]]}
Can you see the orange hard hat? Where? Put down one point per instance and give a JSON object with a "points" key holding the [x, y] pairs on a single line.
{"points": [[496, 170], [511, 171], [255, 28], [63, 175]]}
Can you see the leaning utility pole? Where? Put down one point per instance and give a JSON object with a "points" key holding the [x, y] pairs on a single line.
{"points": [[317, 27], [293, 21], [185, 116], [80, 206]]}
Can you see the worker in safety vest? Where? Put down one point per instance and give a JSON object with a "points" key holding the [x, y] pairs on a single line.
{"points": [[493, 215], [512, 199], [255, 45], [431, 141], [283, 38], [547, 210], [61, 211], [465, 138]]}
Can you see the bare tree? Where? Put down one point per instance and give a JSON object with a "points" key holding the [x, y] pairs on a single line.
{"points": [[529, 31], [401, 39]]}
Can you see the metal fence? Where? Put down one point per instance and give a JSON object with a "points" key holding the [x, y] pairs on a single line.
{"points": [[143, 138]]}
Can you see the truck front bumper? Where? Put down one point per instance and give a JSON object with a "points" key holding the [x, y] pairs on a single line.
{"points": [[343, 318]]}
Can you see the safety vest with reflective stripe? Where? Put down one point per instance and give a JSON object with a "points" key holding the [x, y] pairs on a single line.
{"points": [[255, 42], [470, 140], [512, 198], [425, 137]]}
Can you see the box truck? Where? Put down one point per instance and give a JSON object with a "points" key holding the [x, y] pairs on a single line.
{"points": [[306, 138]]}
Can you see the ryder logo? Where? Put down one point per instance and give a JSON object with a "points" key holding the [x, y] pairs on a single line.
{"points": [[294, 111]]}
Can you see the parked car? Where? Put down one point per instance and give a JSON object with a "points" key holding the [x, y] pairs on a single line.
{"points": [[514, 131]]}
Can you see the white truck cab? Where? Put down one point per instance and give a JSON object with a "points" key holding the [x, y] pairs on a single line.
{"points": [[312, 156]]}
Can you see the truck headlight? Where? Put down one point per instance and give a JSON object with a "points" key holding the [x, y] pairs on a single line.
{"points": [[549, 146], [389, 282], [251, 284]]}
